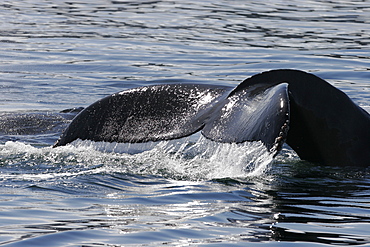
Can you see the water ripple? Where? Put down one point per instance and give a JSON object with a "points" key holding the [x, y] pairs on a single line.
{"points": [[64, 54]]}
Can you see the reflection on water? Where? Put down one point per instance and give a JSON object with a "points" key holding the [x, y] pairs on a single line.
{"points": [[63, 54], [325, 205], [98, 193], [82, 51]]}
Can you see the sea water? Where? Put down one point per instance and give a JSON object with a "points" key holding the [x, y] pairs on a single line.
{"points": [[191, 192]]}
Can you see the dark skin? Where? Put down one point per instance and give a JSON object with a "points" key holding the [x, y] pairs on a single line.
{"points": [[318, 121], [326, 126]]}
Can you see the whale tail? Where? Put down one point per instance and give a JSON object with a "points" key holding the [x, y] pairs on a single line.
{"points": [[165, 112], [317, 120], [326, 126]]}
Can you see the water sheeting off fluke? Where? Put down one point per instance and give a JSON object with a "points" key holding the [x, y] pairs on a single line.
{"points": [[168, 112], [245, 116], [152, 113], [320, 122]]}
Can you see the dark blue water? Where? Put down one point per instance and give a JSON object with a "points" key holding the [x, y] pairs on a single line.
{"points": [[63, 54]]}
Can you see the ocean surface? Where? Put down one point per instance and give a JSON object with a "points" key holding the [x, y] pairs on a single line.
{"points": [[58, 54]]}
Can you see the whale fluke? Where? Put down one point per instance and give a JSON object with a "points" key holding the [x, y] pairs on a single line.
{"points": [[164, 112], [326, 126], [260, 114], [151, 113], [320, 122]]}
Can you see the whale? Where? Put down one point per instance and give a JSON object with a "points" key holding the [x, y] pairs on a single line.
{"points": [[317, 120]]}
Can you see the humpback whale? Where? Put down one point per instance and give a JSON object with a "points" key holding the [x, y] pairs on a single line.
{"points": [[318, 121]]}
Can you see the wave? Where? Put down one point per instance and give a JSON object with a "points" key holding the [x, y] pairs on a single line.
{"points": [[181, 159]]}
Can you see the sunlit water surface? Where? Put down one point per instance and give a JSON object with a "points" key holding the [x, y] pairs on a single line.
{"points": [[189, 192]]}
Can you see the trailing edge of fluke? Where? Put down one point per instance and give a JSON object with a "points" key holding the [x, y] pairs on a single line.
{"points": [[320, 122]]}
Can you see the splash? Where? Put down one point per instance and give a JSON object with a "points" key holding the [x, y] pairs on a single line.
{"points": [[206, 159], [185, 158], [182, 159], [19, 161]]}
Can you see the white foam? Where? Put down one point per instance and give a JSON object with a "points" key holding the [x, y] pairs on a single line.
{"points": [[206, 159], [186, 159], [177, 159]]}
